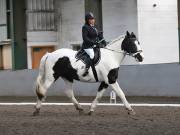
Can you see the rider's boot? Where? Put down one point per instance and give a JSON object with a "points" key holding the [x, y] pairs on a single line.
{"points": [[90, 61]]}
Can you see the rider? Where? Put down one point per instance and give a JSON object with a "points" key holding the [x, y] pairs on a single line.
{"points": [[91, 37]]}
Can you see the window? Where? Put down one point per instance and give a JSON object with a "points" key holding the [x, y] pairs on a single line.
{"points": [[3, 20], [40, 15]]}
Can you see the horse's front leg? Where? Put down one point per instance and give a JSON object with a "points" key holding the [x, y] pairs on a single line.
{"points": [[102, 88], [69, 92], [120, 93]]}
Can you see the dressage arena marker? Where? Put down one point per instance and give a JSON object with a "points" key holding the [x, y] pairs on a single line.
{"points": [[100, 104], [112, 97]]}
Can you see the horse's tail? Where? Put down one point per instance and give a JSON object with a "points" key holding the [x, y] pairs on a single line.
{"points": [[40, 91]]}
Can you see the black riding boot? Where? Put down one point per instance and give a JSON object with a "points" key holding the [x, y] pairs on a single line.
{"points": [[90, 62]]}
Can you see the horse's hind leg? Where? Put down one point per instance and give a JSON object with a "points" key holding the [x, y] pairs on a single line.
{"points": [[102, 88], [41, 90], [69, 92]]}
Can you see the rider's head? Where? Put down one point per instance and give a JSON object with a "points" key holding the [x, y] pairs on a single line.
{"points": [[89, 19]]}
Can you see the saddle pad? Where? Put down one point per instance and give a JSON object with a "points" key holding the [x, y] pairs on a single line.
{"points": [[83, 56]]}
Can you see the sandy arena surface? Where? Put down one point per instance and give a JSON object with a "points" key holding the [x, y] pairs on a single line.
{"points": [[65, 120]]}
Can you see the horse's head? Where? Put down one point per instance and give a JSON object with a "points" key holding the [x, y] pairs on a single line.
{"points": [[132, 46]]}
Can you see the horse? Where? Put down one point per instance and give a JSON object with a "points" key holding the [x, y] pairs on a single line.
{"points": [[63, 63]]}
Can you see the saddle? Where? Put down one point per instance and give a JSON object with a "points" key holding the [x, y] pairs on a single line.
{"points": [[84, 57]]}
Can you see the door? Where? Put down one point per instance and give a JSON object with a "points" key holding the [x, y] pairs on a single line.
{"points": [[1, 58], [37, 53]]}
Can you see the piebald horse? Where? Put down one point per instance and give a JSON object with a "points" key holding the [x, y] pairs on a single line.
{"points": [[62, 63]]}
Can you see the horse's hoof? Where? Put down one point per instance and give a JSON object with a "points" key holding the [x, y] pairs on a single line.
{"points": [[36, 112], [131, 112], [90, 113], [81, 111]]}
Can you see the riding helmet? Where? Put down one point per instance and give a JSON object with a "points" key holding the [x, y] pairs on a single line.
{"points": [[89, 16]]}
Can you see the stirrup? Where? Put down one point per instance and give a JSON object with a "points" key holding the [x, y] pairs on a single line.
{"points": [[85, 73]]}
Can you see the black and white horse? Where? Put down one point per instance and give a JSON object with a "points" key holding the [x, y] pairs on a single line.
{"points": [[62, 63]]}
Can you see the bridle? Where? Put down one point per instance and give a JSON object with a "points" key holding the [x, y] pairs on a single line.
{"points": [[120, 51]]}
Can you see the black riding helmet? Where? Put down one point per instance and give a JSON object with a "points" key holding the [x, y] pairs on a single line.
{"points": [[89, 16]]}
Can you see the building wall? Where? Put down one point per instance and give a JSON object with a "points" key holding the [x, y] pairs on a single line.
{"points": [[70, 18], [119, 16], [136, 80], [158, 30]]}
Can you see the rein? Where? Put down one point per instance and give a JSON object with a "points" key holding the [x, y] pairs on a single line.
{"points": [[126, 53], [114, 50], [112, 43], [119, 51]]}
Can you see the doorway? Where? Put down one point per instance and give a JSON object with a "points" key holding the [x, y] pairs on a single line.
{"points": [[37, 54]]}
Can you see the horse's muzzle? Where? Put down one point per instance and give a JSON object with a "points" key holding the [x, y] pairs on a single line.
{"points": [[139, 57]]}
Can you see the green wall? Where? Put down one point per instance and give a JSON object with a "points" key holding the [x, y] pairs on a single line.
{"points": [[179, 26], [18, 34]]}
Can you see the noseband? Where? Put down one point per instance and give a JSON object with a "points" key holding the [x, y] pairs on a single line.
{"points": [[134, 54]]}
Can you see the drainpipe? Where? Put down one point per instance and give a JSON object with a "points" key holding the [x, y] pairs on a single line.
{"points": [[12, 32], [178, 3]]}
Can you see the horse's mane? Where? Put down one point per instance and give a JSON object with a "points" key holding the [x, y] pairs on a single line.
{"points": [[115, 40]]}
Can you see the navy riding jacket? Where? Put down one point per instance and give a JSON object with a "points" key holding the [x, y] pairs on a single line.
{"points": [[90, 36]]}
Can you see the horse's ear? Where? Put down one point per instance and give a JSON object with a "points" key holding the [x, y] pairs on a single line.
{"points": [[127, 33], [133, 35]]}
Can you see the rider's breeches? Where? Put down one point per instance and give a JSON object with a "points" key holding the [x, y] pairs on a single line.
{"points": [[90, 52]]}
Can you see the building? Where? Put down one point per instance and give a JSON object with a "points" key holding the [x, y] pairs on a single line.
{"points": [[30, 28]]}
